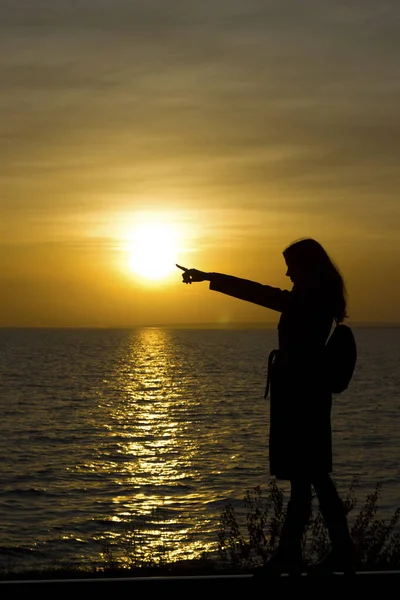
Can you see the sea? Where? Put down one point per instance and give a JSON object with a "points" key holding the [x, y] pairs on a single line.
{"points": [[125, 445]]}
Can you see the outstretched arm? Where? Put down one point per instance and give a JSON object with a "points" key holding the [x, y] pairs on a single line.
{"points": [[251, 291], [243, 289]]}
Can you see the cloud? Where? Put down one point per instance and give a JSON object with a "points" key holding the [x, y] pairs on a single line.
{"points": [[117, 101]]}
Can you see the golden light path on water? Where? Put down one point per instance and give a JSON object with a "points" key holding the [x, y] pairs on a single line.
{"points": [[155, 454]]}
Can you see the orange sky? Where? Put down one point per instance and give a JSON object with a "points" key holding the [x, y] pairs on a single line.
{"points": [[237, 126]]}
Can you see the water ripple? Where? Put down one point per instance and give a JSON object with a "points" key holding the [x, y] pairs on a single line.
{"points": [[111, 437]]}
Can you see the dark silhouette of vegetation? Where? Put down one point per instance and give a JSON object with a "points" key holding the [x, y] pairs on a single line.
{"points": [[377, 544]]}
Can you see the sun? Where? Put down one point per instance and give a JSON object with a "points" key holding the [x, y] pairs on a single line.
{"points": [[152, 250]]}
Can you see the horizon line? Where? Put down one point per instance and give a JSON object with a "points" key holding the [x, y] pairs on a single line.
{"points": [[199, 325]]}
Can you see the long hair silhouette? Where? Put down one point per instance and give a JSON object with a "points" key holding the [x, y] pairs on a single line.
{"points": [[312, 259]]}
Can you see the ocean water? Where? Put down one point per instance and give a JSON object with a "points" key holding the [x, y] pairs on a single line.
{"points": [[131, 442]]}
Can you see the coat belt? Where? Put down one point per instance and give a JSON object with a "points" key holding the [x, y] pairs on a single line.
{"points": [[273, 355]]}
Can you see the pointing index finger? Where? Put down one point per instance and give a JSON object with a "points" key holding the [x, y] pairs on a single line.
{"points": [[182, 268]]}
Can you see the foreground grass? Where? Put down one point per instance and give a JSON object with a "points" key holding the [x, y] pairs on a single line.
{"points": [[377, 544]]}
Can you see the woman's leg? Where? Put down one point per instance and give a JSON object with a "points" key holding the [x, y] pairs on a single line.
{"points": [[288, 558], [297, 515], [334, 514]]}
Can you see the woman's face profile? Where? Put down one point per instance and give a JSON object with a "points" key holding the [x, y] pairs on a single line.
{"points": [[295, 273], [289, 273]]}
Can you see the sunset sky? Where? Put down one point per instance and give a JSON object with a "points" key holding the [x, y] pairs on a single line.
{"points": [[140, 133]]}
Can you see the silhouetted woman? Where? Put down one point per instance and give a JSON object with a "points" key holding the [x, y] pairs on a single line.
{"points": [[300, 442]]}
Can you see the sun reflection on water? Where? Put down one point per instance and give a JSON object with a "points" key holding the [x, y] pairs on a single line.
{"points": [[153, 450]]}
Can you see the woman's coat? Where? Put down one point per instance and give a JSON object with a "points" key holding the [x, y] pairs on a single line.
{"points": [[300, 441]]}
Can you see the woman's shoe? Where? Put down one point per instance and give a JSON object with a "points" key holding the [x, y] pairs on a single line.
{"points": [[282, 561], [335, 561]]}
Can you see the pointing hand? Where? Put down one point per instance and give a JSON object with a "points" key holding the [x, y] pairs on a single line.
{"points": [[192, 275]]}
